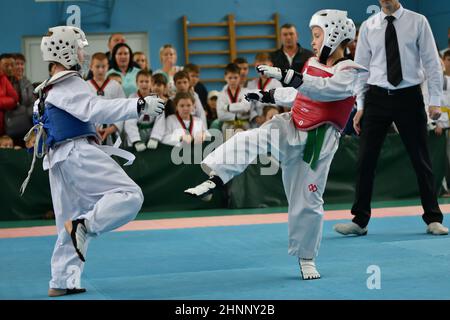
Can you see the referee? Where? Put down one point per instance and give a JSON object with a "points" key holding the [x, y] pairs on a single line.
{"points": [[398, 48]]}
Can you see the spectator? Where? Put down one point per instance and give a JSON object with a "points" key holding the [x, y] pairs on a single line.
{"points": [[269, 112], [6, 142], [109, 89], [183, 127], [211, 106], [140, 130], [8, 99], [26, 95], [168, 57], [232, 108], [291, 55], [8, 67], [242, 63], [114, 40], [183, 84], [141, 61], [261, 83], [159, 87], [351, 47], [116, 77], [194, 74], [122, 64]]}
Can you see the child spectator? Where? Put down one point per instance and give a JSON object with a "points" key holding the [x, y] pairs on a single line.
{"points": [[183, 127], [159, 88], [140, 130], [122, 64], [211, 106], [183, 84], [261, 83], [269, 111], [194, 74], [232, 108], [6, 142], [117, 77], [242, 63], [109, 89], [168, 57], [141, 60]]}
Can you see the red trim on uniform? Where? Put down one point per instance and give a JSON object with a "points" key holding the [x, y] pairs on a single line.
{"points": [[234, 98], [98, 88], [191, 124], [262, 86]]}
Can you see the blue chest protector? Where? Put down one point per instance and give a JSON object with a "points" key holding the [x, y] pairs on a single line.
{"points": [[61, 126]]}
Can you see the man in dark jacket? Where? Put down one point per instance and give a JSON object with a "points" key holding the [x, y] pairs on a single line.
{"points": [[291, 55]]}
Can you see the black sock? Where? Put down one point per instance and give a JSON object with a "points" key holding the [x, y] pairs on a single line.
{"points": [[216, 180]]}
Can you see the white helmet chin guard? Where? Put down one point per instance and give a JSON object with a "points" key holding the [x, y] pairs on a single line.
{"points": [[336, 27], [63, 44]]}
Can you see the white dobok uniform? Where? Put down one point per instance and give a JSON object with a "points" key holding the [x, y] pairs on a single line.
{"points": [[324, 101]]}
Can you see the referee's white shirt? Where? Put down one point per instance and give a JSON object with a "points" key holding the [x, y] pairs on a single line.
{"points": [[418, 53]]}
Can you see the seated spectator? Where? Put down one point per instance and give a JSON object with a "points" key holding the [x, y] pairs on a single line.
{"points": [[116, 77], [6, 142], [140, 130], [261, 83], [159, 87], [8, 99], [26, 94], [109, 89], [183, 84], [168, 57], [122, 64], [269, 112], [242, 63], [194, 74], [141, 60], [211, 106], [232, 108], [182, 127]]}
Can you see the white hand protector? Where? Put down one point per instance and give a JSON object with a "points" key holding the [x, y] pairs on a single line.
{"points": [[152, 144], [139, 146], [239, 107], [270, 72], [153, 106]]}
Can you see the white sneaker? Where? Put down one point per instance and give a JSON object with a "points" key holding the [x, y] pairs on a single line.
{"points": [[350, 228], [203, 190], [78, 232], [437, 229], [308, 269]]}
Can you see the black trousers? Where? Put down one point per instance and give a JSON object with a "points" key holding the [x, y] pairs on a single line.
{"points": [[406, 109]]}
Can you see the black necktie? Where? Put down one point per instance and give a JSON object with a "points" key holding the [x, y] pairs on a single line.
{"points": [[394, 66]]}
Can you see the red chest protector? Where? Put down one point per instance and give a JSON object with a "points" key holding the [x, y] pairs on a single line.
{"points": [[309, 114]]}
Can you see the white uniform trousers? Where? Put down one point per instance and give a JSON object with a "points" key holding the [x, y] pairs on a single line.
{"points": [[89, 185], [304, 186]]}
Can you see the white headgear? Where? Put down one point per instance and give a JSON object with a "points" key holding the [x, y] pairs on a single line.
{"points": [[336, 27], [62, 45]]}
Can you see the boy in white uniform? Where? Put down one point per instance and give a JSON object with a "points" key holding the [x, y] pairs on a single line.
{"points": [[261, 83], [322, 98], [91, 194], [108, 89]]}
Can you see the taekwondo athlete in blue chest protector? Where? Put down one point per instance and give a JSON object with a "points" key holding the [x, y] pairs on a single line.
{"points": [[91, 193]]}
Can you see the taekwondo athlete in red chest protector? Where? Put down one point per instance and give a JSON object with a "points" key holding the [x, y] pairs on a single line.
{"points": [[321, 99]]}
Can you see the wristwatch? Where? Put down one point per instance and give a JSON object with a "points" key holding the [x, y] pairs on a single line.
{"points": [[140, 105]]}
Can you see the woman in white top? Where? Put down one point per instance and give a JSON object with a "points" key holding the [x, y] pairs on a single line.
{"points": [[168, 57]]}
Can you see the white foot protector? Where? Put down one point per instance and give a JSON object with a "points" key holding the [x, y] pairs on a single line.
{"points": [[437, 229], [203, 190], [350, 228], [308, 269]]}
